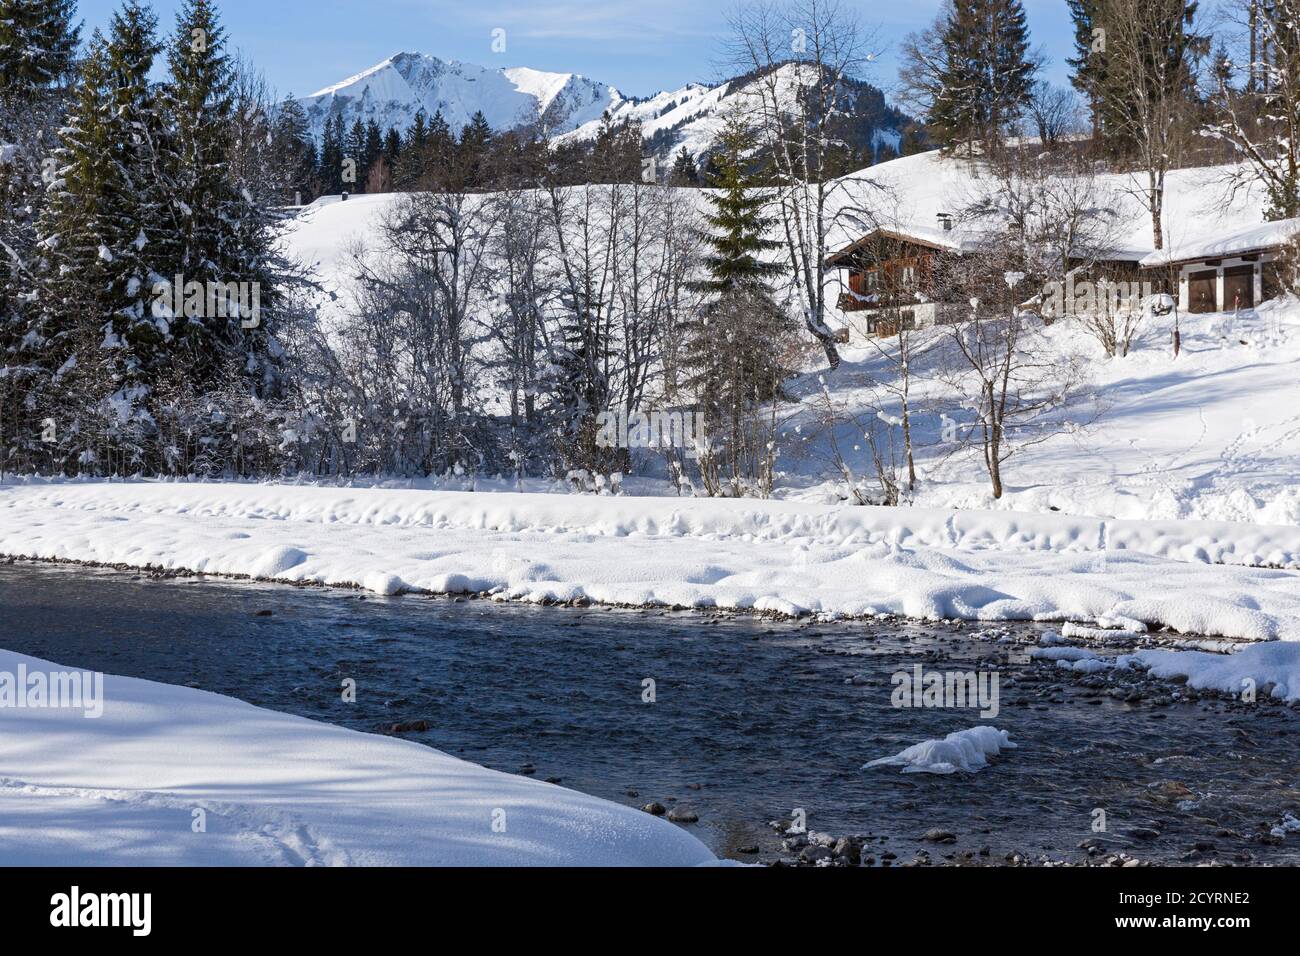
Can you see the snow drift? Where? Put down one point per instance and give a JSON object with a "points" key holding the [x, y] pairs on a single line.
{"points": [[785, 557], [273, 789]]}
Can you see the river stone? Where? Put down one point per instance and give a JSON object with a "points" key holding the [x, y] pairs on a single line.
{"points": [[683, 815], [656, 809], [814, 854], [937, 835], [410, 726], [848, 849]]}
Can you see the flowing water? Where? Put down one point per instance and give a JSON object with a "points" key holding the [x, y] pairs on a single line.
{"points": [[751, 721]]}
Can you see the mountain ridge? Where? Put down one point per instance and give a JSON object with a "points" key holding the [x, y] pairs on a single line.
{"points": [[568, 105]]}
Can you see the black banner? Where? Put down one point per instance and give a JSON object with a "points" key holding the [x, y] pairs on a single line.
{"points": [[217, 905]]}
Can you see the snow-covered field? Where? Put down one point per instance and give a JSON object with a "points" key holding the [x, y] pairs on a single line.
{"points": [[175, 776], [1212, 435]]}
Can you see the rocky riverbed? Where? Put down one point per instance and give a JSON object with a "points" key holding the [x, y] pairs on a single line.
{"points": [[751, 732]]}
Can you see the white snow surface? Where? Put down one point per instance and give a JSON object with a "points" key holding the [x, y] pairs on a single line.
{"points": [[966, 750], [121, 790], [1264, 664], [1220, 245], [780, 556]]}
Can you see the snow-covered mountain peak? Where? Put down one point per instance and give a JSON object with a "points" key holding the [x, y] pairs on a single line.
{"points": [[394, 91], [569, 105]]}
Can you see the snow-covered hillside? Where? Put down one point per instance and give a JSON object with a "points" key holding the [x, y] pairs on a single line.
{"points": [[1211, 435]]}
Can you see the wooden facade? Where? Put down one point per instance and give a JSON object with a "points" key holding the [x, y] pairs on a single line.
{"points": [[890, 280]]}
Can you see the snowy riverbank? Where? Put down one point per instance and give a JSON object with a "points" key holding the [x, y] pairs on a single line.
{"points": [[129, 787], [786, 557]]}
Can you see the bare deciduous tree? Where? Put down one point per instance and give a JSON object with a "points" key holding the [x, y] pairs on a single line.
{"points": [[1149, 53], [1017, 391], [802, 52], [1262, 121]]}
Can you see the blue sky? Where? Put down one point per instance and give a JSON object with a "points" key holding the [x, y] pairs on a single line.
{"points": [[640, 46]]}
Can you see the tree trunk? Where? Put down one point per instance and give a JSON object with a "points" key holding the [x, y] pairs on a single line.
{"points": [[907, 413], [828, 346], [995, 470], [1157, 201]]}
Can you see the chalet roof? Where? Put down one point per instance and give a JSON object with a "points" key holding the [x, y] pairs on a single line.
{"points": [[941, 240], [1265, 237], [959, 239]]}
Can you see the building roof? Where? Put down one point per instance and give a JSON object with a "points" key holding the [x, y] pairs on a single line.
{"points": [[1259, 238], [959, 239], [943, 240]]}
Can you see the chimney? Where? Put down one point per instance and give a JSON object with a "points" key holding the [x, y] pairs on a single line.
{"points": [[945, 221]]}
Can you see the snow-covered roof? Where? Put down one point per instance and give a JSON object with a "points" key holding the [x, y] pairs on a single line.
{"points": [[1219, 245], [1199, 219], [951, 240]]}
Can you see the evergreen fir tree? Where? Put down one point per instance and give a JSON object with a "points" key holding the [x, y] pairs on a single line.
{"points": [[135, 221], [294, 151], [374, 147], [988, 75], [331, 155], [411, 167], [392, 146], [472, 152], [1088, 65], [60, 348], [438, 154], [355, 150], [736, 240], [223, 236], [684, 172], [732, 351], [38, 43]]}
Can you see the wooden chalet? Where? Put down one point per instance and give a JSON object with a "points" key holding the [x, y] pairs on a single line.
{"points": [[890, 275]]}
